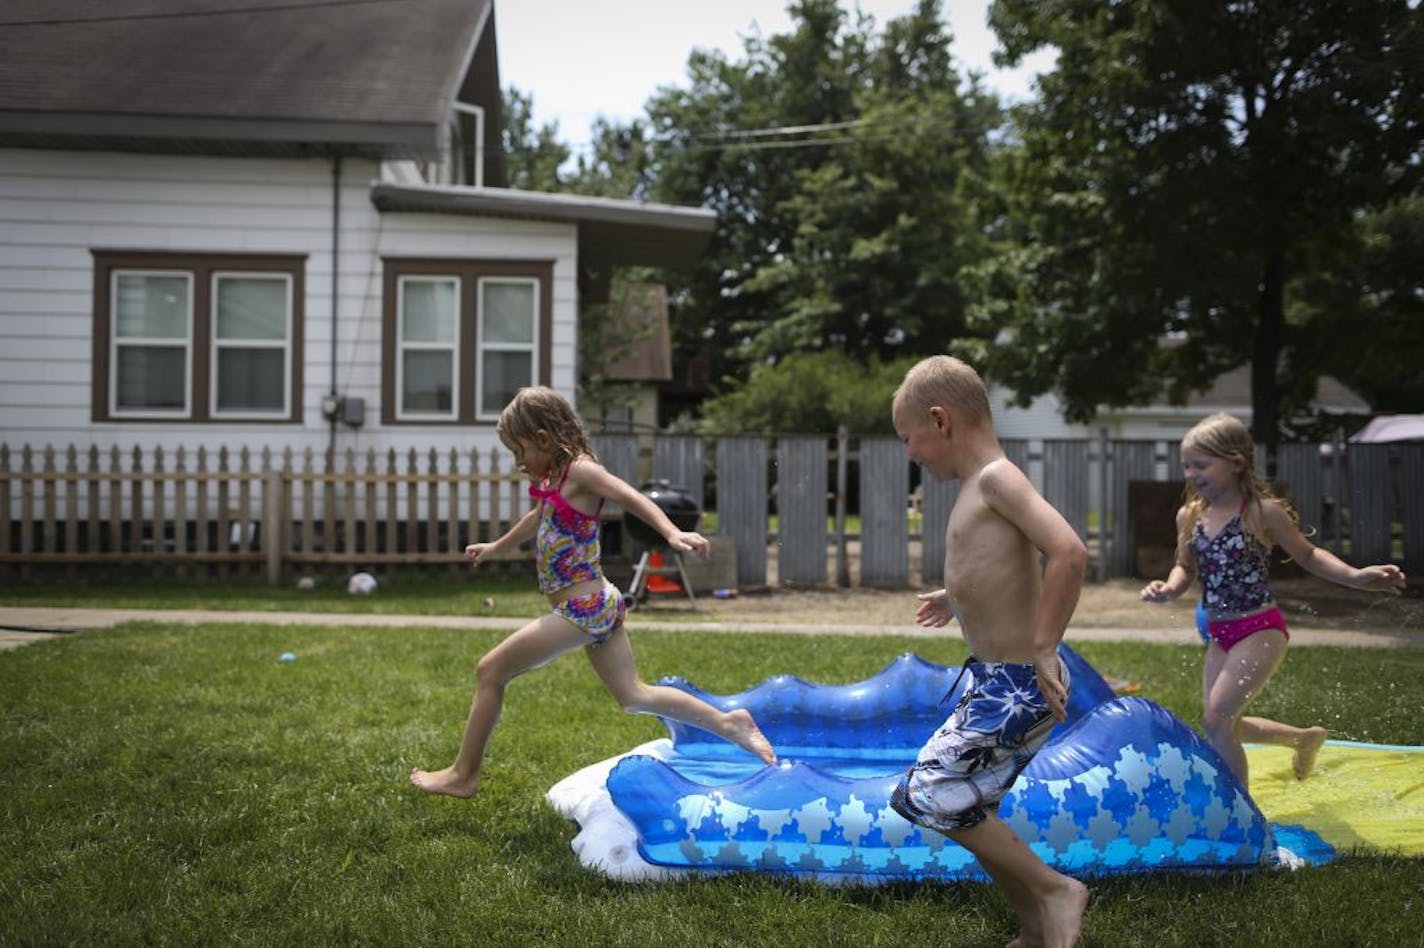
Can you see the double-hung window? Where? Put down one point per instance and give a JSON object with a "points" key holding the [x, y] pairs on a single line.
{"points": [[183, 337], [461, 337]]}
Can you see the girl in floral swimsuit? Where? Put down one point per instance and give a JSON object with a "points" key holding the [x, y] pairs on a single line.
{"points": [[587, 611], [1228, 522]]}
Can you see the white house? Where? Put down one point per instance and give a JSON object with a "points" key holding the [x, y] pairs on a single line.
{"points": [[282, 225], [1231, 393]]}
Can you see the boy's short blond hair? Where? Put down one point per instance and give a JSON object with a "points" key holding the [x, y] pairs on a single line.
{"points": [[945, 381]]}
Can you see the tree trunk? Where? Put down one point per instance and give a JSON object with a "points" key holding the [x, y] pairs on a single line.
{"points": [[1265, 356]]}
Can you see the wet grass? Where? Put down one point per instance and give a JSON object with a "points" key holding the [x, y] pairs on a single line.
{"points": [[172, 784]]}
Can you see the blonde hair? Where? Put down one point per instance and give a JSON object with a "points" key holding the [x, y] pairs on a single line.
{"points": [[1226, 436], [538, 408], [945, 381]]}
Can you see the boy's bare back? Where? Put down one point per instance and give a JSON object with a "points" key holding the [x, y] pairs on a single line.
{"points": [[991, 571]]}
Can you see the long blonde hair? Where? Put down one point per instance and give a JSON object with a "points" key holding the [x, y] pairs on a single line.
{"points": [[538, 408], [1225, 436]]}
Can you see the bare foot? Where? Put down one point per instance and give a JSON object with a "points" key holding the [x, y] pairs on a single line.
{"points": [[1062, 914], [1304, 760], [748, 736], [443, 782]]}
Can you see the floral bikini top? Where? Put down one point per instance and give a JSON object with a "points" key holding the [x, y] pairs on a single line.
{"points": [[567, 540], [1232, 566]]}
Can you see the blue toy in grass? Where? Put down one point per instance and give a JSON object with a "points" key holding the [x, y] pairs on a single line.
{"points": [[1121, 786]]}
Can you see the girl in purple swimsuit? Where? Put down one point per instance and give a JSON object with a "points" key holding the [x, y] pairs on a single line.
{"points": [[586, 611], [1228, 522]]}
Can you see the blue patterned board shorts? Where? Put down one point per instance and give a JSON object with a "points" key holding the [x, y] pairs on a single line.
{"points": [[600, 613], [977, 754]]}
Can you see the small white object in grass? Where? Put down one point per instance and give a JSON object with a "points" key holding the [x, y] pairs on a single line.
{"points": [[306, 584], [489, 602], [287, 657], [361, 584]]}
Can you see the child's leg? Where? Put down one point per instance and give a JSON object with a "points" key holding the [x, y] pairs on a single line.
{"points": [[614, 663], [537, 643], [1305, 741], [1229, 681], [1049, 904]]}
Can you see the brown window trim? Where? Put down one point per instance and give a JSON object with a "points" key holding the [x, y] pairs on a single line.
{"points": [[469, 272], [201, 266]]}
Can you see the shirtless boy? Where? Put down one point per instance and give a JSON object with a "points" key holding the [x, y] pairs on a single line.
{"points": [[1012, 616]]}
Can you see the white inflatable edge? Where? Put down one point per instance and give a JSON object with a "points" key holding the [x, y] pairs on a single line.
{"points": [[607, 840]]}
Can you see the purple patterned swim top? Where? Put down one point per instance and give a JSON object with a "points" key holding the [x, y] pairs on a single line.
{"points": [[567, 541], [1233, 569]]}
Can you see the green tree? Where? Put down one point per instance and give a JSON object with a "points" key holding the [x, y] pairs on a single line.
{"points": [[1366, 310], [846, 165], [809, 392], [533, 156], [1184, 163]]}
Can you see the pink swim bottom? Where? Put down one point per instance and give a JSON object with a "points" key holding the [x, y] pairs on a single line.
{"points": [[1227, 632]]}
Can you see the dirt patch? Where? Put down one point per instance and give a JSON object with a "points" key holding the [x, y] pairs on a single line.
{"points": [[1308, 603]]}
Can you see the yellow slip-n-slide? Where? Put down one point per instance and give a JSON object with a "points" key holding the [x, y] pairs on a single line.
{"points": [[1368, 796]]}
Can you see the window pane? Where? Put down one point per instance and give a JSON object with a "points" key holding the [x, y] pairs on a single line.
{"points": [[251, 308], [502, 374], [428, 310], [507, 311], [427, 381], [150, 306], [251, 380], [151, 378]]}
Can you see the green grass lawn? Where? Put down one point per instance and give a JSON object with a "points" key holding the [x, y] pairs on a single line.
{"points": [[170, 784]]}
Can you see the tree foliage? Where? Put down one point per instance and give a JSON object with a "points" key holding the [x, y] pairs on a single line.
{"points": [[847, 168], [1183, 174], [809, 392]]}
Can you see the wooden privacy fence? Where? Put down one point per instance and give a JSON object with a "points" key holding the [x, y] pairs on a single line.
{"points": [[227, 513], [234, 514]]}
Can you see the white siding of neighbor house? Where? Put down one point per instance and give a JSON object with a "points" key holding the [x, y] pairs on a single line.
{"points": [[56, 207], [1041, 419]]}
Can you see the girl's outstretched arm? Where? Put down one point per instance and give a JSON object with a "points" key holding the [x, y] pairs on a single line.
{"points": [[592, 477], [522, 530], [1322, 563], [1179, 580]]}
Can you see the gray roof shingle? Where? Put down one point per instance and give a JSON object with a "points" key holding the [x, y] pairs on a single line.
{"points": [[358, 76]]}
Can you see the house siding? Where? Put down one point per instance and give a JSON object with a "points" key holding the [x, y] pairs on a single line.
{"points": [[57, 207]]}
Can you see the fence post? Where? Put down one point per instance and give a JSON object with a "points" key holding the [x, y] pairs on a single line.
{"points": [[1104, 493], [842, 465], [274, 537]]}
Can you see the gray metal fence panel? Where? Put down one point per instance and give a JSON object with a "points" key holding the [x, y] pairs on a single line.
{"points": [[801, 507], [1298, 468], [1411, 506], [1065, 481], [1131, 461], [939, 497], [1016, 450], [1369, 503], [741, 503], [619, 454], [678, 459], [884, 500]]}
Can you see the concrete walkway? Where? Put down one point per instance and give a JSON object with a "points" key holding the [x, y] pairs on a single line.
{"points": [[21, 625]]}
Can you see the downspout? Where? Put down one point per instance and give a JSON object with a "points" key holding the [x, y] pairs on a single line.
{"points": [[335, 278]]}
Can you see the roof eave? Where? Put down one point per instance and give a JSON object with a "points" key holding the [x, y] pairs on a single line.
{"points": [[186, 134], [610, 232]]}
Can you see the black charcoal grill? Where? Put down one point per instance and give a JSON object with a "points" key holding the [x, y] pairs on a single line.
{"points": [[683, 511]]}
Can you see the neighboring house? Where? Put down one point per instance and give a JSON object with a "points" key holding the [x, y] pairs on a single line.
{"points": [[263, 224], [637, 359], [1230, 393], [1384, 429]]}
